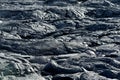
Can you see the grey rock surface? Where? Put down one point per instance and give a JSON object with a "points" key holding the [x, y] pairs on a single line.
{"points": [[59, 40]]}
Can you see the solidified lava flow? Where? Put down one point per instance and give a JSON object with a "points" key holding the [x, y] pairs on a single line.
{"points": [[59, 39]]}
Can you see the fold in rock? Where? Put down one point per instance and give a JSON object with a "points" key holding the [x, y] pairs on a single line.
{"points": [[53, 68]]}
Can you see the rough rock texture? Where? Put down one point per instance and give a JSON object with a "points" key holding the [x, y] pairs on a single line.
{"points": [[59, 39]]}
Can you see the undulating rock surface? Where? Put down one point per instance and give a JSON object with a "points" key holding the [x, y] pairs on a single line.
{"points": [[59, 39]]}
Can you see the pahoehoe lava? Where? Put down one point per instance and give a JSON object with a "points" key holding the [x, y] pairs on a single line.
{"points": [[59, 39]]}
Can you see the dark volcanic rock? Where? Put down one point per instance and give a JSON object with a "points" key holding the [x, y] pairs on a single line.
{"points": [[59, 40]]}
